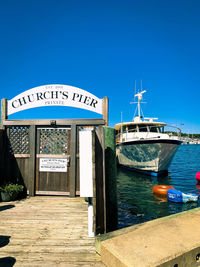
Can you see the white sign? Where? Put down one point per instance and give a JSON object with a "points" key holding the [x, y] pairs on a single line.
{"points": [[55, 95], [53, 165], [85, 151]]}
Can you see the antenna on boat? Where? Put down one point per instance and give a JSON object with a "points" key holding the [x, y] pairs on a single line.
{"points": [[135, 89], [139, 96]]}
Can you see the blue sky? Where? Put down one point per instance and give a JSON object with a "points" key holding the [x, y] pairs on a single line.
{"points": [[103, 47]]}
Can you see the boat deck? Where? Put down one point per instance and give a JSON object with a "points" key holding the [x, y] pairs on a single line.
{"points": [[46, 231]]}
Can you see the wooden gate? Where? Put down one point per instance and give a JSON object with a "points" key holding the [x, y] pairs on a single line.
{"points": [[53, 161], [43, 155], [35, 148], [48, 170]]}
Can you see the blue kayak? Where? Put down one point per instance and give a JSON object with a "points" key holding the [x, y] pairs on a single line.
{"points": [[179, 197]]}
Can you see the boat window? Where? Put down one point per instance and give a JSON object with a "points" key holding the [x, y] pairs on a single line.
{"points": [[154, 129], [143, 129], [123, 129], [162, 129], [131, 128]]}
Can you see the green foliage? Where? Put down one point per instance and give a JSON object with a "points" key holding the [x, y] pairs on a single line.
{"points": [[184, 134], [190, 135], [12, 188]]}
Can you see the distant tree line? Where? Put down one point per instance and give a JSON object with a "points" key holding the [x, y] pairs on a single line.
{"points": [[190, 135]]}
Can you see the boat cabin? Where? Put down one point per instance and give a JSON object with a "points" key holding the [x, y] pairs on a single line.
{"points": [[134, 129], [139, 127]]}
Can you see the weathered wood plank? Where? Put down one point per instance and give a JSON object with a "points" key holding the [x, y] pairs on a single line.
{"points": [[4, 113], [105, 109], [47, 231], [59, 122], [32, 161], [73, 162], [2, 156], [100, 181], [52, 156], [22, 155]]}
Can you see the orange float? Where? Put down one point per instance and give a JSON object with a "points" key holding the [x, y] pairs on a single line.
{"points": [[161, 198], [161, 189]]}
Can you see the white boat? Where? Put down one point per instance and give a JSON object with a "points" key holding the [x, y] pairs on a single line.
{"points": [[144, 145]]}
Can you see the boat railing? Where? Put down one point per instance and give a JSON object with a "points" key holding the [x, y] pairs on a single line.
{"points": [[172, 131]]}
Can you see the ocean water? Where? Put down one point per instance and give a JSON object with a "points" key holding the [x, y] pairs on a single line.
{"points": [[136, 202]]}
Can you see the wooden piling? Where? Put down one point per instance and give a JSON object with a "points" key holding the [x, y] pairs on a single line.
{"points": [[111, 179], [105, 110], [4, 114]]}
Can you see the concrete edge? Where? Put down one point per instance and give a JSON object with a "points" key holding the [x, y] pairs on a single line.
{"points": [[101, 238]]}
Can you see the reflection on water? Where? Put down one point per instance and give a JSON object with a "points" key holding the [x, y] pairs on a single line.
{"points": [[136, 203]]}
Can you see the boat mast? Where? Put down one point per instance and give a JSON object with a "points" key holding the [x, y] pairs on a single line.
{"points": [[139, 98]]}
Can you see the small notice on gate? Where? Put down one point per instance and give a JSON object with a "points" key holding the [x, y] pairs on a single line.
{"points": [[53, 165]]}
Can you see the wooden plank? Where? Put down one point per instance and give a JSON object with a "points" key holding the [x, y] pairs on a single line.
{"points": [[105, 110], [94, 182], [32, 160], [20, 163], [73, 149], [50, 128], [77, 184], [3, 156], [37, 174], [100, 181], [52, 156], [47, 231], [4, 113], [59, 122], [26, 172], [52, 181], [69, 162], [37, 160], [55, 193], [22, 155]]}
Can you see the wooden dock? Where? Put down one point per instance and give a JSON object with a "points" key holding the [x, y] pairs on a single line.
{"points": [[46, 231]]}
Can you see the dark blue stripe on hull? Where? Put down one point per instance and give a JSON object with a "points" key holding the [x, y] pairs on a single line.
{"points": [[160, 141], [150, 173]]}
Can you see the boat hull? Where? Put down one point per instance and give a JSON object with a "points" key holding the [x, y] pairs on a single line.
{"points": [[150, 156]]}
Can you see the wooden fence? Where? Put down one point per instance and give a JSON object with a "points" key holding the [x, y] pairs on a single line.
{"points": [[21, 166]]}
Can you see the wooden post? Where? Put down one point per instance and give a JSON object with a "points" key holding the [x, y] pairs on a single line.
{"points": [[31, 182], [110, 181], [4, 114], [73, 153], [94, 181], [100, 209], [105, 110]]}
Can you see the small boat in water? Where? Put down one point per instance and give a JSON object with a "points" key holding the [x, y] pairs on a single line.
{"points": [[144, 145]]}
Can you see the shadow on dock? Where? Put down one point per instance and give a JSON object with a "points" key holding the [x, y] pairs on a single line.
{"points": [[6, 207], [7, 262], [4, 241]]}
